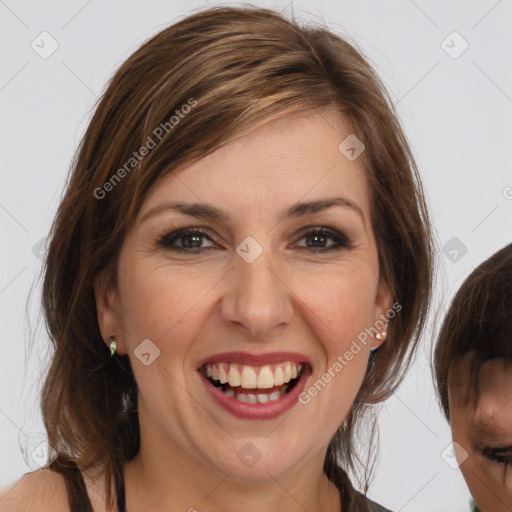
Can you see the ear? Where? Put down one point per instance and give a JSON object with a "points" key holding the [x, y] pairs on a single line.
{"points": [[381, 318], [108, 312]]}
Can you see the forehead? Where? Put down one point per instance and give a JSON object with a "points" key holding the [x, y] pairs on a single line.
{"points": [[494, 386], [287, 159]]}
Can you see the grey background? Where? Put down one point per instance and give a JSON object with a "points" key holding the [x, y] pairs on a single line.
{"points": [[457, 116]]}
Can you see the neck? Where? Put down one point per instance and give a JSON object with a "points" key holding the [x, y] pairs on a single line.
{"points": [[224, 494], [148, 488], [162, 473]]}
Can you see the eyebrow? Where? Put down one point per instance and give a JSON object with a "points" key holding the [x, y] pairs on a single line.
{"points": [[209, 211], [489, 429]]}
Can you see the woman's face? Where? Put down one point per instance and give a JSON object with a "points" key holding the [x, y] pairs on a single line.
{"points": [[254, 298], [484, 430]]}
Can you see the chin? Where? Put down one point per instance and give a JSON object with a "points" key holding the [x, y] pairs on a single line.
{"points": [[257, 458]]}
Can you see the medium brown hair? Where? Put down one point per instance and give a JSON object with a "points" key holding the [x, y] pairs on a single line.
{"points": [[243, 67], [478, 322]]}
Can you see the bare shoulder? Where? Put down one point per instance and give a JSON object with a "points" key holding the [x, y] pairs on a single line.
{"points": [[38, 491]]}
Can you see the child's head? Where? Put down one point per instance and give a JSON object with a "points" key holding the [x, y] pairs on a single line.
{"points": [[473, 365]]}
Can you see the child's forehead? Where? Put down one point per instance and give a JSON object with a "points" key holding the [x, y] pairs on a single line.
{"points": [[494, 391]]}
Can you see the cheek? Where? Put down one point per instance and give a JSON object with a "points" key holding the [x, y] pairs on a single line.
{"points": [[343, 313], [160, 301], [343, 304], [468, 467], [336, 302], [471, 470], [459, 430], [486, 490]]}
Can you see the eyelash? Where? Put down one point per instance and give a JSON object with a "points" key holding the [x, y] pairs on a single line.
{"points": [[167, 239], [502, 456], [499, 455]]}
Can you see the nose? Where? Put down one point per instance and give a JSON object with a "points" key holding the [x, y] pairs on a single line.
{"points": [[258, 299]]}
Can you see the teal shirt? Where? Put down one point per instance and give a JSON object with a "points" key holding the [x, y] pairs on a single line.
{"points": [[474, 506]]}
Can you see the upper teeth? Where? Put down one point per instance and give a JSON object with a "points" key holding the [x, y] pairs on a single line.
{"points": [[249, 377]]}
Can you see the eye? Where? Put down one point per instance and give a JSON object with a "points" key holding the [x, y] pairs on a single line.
{"points": [[319, 236], [499, 455], [190, 240], [192, 237]]}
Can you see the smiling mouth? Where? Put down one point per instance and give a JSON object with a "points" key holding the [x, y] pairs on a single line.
{"points": [[254, 385]]}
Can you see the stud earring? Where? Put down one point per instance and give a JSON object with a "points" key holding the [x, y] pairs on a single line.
{"points": [[112, 345], [380, 336]]}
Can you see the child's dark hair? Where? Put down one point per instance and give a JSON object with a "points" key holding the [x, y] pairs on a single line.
{"points": [[479, 321]]}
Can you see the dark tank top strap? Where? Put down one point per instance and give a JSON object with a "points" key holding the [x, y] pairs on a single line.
{"points": [[121, 499], [78, 498]]}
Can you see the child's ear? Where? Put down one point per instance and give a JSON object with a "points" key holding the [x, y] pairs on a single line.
{"points": [[108, 311]]}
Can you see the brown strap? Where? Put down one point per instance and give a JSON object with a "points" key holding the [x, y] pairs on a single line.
{"points": [[78, 498], [121, 505]]}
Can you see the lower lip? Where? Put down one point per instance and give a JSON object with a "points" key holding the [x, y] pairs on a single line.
{"points": [[266, 411]]}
